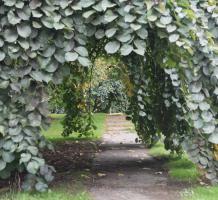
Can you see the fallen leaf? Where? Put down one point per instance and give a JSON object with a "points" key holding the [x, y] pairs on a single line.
{"points": [[146, 168], [132, 151], [85, 176], [159, 173], [101, 174]]}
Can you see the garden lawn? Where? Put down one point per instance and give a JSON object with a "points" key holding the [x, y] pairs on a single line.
{"points": [[180, 168], [56, 128], [202, 193], [51, 195]]}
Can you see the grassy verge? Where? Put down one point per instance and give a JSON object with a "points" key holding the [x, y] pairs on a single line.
{"points": [[183, 169], [202, 193], [51, 195], [56, 128], [180, 168]]}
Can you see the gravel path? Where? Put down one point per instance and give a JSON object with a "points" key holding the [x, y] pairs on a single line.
{"points": [[125, 171]]}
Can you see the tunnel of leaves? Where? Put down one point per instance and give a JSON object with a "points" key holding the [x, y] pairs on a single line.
{"points": [[171, 53]]}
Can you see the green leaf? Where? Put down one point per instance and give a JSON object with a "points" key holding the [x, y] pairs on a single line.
{"points": [[194, 115], [126, 49], [12, 18], [9, 3], [2, 165], [135, 27], [25, 157], [142, 33], [173, 38], [88, 13], [24, 30], [107, 4], [166, 20], [8, 144], [129, 18], [17, 138], [204, 106], [195, 87], [152, 18], [110, 16], [1, 42], [2, 130], [35, 4], [15, 130], [35, 119], [124, 37], [33, 150], [99, 34], [171, 28], [82, 51], [206, 116], [4, 84], [211, 176], [47, 22], [84, 61], [58, 26], [36, 75], [110, 32], [140, 51], [209, 128], [71, 56], [52, 67], [48, 52], [213, 138], [24, 44], [149, 4], [10, 35], [140, 45], [41, 187], [40, 161], [192, 106], [33, 167], [197, 97], [160, 25], [203, 161], [24, 13], [112, 47], [7, 156], [142, 114], [198, 124]]}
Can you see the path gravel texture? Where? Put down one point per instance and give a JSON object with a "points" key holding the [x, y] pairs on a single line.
{"points": [[123, 169]]}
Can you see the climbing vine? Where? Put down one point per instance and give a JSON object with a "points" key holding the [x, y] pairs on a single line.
{"points": [[169, 46]]}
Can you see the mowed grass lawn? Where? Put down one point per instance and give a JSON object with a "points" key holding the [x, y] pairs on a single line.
{"points": [[54, 134], [179, 168], [51, 195], [202, 193], [56, 128], [183, 169]]}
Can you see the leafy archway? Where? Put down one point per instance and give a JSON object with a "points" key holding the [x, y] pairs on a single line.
{"points": [[170, 48]]}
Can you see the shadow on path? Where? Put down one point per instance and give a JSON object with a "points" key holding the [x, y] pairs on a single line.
{"points": [[123, 170]]}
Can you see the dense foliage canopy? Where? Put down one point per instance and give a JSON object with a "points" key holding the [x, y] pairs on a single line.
{"points": [[170, 50]]}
